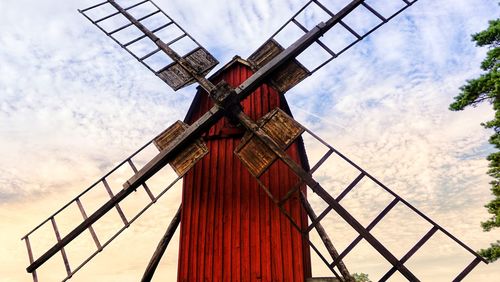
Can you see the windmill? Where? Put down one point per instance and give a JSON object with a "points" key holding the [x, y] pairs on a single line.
{"points": [[240, 109]]}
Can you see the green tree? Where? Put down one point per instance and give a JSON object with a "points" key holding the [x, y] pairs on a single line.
{"points": [[486, 87], [361, 277]]}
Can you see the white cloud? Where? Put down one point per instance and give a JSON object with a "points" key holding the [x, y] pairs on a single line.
{"points": [[72, 104]]}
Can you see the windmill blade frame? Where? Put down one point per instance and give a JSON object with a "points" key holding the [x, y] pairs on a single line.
{"points": [[298, 69], [227, 103], [181, 163], [187, 60], [271, 134]]}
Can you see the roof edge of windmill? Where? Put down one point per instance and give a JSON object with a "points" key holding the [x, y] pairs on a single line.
{"points": [[236, 59], [284, 104]]}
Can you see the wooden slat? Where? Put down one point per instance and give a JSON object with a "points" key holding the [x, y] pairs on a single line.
{"points": [[286, 228], [326, 239], [30, 257], [117, 206], [206, 168], [467, 269], [256, 156], [411, 252], [254, 228], [225, 215], [222, 230], [63, 252], [266, 203], [245, 225], [148, 191], [91, 229], [187, 157]]}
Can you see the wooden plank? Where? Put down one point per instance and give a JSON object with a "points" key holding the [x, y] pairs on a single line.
{"points": [[162, 246], [212, 197], [63, 252], [286, 228], [177, 77], [91, 229], [117, 206], [254, 209], [201, 192], [286, 76], [245, 226], [281, 128], [255, 155], [289, 75], [265, 53], [148, 191], [326, 240], [185, 159], [220, 236], [30, 256], [195, 221], [235, 249], [276, 250], [266, 211], [228, 214]]}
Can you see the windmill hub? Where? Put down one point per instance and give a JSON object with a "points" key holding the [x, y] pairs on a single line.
{"points": [[225, 97]]}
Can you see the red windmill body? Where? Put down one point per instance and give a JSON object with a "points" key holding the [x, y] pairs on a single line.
{"points": [[230, 229]]}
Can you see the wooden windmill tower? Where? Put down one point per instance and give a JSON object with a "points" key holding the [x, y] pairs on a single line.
{"points": [[245, 213]]}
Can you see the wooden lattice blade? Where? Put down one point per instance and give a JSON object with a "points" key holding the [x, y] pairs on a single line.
{"points": [[262, 133], [181, 159], [333, 36], [154, 39]]}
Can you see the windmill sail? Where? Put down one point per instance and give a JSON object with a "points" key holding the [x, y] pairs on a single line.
{"points": [[154, 39], [289, 130], [281, 130], [180, 163], [339, 35]]}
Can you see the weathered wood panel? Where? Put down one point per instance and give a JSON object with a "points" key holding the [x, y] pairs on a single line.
{"points": [[186, 158], [286, 76], [177, 77], [254, 154]]}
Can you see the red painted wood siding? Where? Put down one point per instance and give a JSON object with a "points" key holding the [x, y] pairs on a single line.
{"points": [[230, 230]]}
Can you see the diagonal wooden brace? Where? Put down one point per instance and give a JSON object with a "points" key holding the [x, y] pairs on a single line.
{"points": [[162, 246], [320, 191]]}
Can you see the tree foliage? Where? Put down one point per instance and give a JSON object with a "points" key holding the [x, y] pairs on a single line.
{"points": [[361, 277], [486, 87], [492, 253]]}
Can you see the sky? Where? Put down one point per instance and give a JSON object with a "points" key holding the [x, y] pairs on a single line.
{"points": [[73, 104]]}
